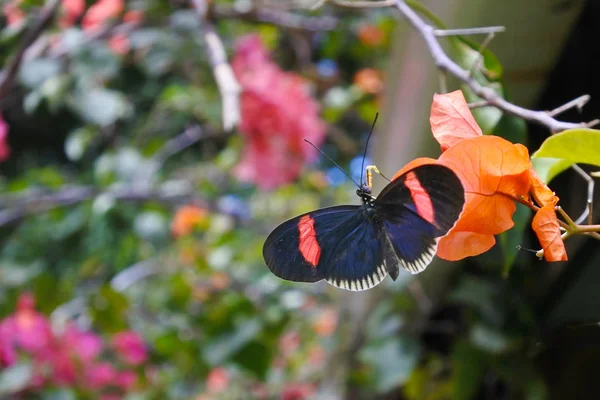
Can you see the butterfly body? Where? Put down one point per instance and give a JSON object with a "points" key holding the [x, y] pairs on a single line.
{"points": [[354, 247]]}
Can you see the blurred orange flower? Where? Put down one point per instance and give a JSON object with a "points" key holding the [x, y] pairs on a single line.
{"points": [[369, 80], [186, 219], [371, 35], [495, 173]]}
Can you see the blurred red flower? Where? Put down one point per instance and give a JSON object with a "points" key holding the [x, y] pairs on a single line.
{"points": [[130, 346], [277, 114]]}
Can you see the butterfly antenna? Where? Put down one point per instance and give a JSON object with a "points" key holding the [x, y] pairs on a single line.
{"points": [[333, 162], [362, 168]]}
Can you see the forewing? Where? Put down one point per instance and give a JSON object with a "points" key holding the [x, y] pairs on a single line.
{"points": [[338, 244], [417, 208]]}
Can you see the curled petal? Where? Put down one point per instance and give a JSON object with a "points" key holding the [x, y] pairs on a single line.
{"points": [[540, 192], [545, 224]]}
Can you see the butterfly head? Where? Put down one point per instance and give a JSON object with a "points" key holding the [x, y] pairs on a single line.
{"points": [[364, 192]]}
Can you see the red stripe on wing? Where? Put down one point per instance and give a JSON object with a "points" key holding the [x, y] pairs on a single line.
{"points": [[308, 245], [420, 197]]}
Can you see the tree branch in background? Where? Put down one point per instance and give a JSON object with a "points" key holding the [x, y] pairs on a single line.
{"points": [[9, 74], [445, 63], [279, 18], [226, 81]]}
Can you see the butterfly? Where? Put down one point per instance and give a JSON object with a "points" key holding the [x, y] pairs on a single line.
{"points": [[354, 247]]}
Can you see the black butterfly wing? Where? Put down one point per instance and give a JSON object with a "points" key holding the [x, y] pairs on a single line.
{"points": [[416, 209], [338, 244]]}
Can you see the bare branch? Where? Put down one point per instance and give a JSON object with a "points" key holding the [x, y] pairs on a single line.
{"points": [[16, 207], [578, 103], [445, 63], [8, 75], [478, 104], [587, 213], [226, 81], [486, 30], [279, 18], [477, 64], [363, 4]]}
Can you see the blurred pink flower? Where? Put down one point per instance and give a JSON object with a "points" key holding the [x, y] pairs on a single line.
{"points": [[4, 147], [27, 328], [100, 12], [126, 379], [297, 391], [71, 10], [8, 356], [277, 114], [12, 12], [130, 346], [289, 343], [217, 380], [86, 346], [100, 375]]}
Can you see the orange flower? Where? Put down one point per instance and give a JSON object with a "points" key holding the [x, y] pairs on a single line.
{"points": [[494, 173], [369, 80], [371, 35], [186, 219]]}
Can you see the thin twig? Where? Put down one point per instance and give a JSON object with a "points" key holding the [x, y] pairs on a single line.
{"points": [[587, 213], [486, 30], [477, 104], [228, 85], [477, 64], [279, 18], [8, 75], [363, 4], [445, 63], [16, 207], [578, 103]]}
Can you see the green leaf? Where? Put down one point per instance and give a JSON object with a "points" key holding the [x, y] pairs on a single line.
{"points": [[224, 346], [108, 309], [15, 378], [489, 339], [255, 357], [35, 72], [511, 128], [510, 239], [572, 146], [101, 106], [548, 168], [468, 370], [393, 361]]}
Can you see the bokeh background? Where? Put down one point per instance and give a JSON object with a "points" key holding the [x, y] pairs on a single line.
{"points": [[134, 202]]}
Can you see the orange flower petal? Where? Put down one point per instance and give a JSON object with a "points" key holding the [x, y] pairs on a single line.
{"points": [[451, 119], [493, 171], [545, 224], [458, 245], [540, 191], [414, 164]]}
